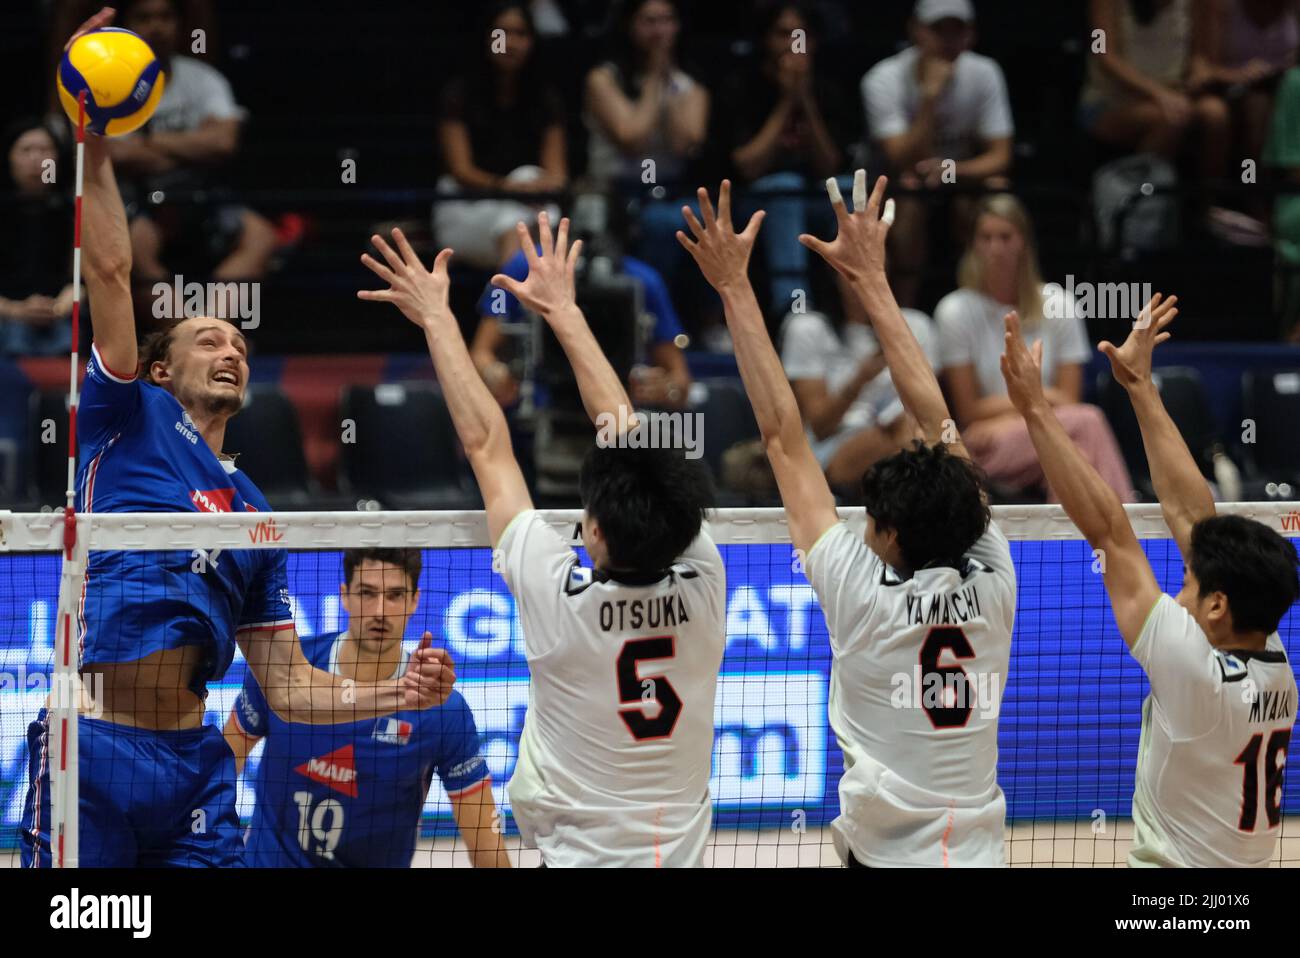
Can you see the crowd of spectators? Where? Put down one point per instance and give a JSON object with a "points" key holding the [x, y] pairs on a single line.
{"points": [[1197, 85]]}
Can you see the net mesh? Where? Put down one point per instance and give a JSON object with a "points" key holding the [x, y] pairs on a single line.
{"points": [[1068, 729]]}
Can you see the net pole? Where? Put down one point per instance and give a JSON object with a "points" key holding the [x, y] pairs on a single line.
{"points": [[65, 684]]}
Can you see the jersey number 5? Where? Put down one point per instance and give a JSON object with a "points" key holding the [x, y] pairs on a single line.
{"points": [[1274, 763], [640, 691]]}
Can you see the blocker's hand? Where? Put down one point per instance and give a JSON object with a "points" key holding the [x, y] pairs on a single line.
{"points": [[858, 250], [548, 289], [721, 253], [1131, 362], [420, 294], [1022, 368]]}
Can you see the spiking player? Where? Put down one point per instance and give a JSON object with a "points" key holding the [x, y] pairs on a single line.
{"points": [[1217, 724], [157, 787], [929, 589], [614, 760], [350, 795]]}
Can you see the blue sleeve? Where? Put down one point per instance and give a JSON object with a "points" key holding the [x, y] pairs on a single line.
{"points": [[460, 767], [657, 301], [107, 401], [266, 603], [499, 304], [251, 709]]}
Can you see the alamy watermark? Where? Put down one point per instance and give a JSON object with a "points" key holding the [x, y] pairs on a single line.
{"points": [[1095, 300], [241, 302], [652, 430]]}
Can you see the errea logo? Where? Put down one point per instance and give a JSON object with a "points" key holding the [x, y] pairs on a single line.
{"points": [[186, 429]]}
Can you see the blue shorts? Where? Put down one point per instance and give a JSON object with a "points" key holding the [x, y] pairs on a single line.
{"points": [[147, 799]]}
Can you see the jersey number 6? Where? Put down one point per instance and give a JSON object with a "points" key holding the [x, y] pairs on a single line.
{"points": [[634, 689]]}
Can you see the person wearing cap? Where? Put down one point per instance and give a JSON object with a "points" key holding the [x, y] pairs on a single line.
{"points": [[938, 113]]}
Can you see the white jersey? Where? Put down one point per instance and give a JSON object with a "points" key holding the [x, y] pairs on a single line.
{"points": [[617, 746], [1215, 731], [916, 684]]}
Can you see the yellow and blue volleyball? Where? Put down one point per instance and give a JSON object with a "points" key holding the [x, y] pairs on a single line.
{"points": [[121, 76]]}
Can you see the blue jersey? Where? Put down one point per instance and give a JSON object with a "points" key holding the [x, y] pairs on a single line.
{"points": [[140, 452], [350, 795]]}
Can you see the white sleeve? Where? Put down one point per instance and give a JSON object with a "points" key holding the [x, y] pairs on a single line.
{"points": [[702, 556], [1182, 668], [995, 120], [993, 550], [535, 562], [216, 96], [801, 353], [956, 347], [846, 575], [882, 95]]}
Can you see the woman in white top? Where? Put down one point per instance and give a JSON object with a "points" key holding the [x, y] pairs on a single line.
{"points": [[999, 273], [843, 388], [1143, 90]]}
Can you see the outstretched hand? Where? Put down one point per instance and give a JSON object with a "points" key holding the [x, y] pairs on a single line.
{"points": [[721, 253], [420, 294], [98, 21], [858, 250], [548, 289], [1022, 368], [1131, 362]]}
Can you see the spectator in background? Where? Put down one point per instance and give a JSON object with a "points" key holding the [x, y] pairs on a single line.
{"points": [[1283, 155], [664, 383], [501, 128], [940, 114], [36, 293], [1248, 46], [999, 273], [843, 387], [641, 105], [1142, 94], [786, 122], [194, 130]]}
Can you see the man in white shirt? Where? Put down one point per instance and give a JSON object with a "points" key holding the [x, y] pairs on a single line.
{"points": [[616, 751], [194, 130], [920, 609], [939, 113], [1217, 724]]}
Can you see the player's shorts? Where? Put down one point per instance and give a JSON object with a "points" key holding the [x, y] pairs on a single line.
{"points": [[148, 799]]}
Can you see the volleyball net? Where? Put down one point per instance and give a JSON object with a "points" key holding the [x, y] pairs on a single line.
{"points": [[1070, 711]]}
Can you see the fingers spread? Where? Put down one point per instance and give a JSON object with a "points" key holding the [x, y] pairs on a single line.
{"points": [[819, 247], [724, 204], [890, 209], [571, 264], [689, 246], [751, 228], [403, 247], [387, 251], [378, 268], [837, 199], [706, 208], [508, 283], [526, 244], [877, 196], [696, 229], [544, 234], [562, 240], [442, 259], [859, 191], [386, 296]]}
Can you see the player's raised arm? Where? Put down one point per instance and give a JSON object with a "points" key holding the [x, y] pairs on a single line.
{"points": [[1091, 504], [549, 291], [421, 295], [106, 247], [1184, 494], [723, 257], [858, 253], [299, 692]]}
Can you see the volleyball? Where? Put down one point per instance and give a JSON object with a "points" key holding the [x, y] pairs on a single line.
{"points": [[121, 75]]}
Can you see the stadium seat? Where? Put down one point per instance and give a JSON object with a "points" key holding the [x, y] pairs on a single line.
{"points": [[1183, 394], [1271, 400], [267, 438], [404, 452]]}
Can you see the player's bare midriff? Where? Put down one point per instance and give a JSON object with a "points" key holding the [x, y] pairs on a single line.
{"points": [[151, 693]]}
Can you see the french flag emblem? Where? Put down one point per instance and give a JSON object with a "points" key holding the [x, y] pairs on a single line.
{"points": [[392, 731]]}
